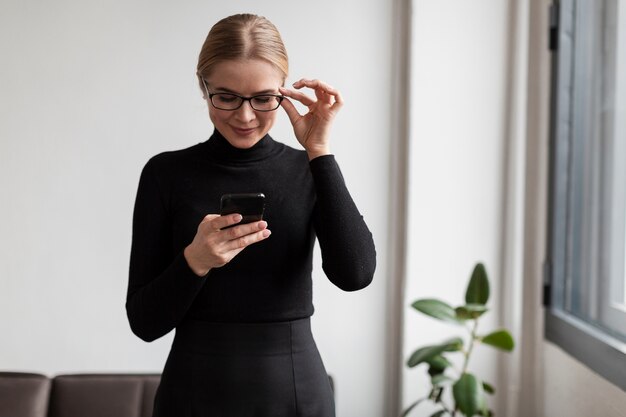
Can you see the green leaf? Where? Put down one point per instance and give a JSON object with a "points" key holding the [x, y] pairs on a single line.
{"points": [[438, 362], [427, 353], [440, 379], [470, 311], [436, 309], [468, 394], [411, 407], [478, 287], [438, 413], [489, 389], [437, 365], [500, 339], [423, 354], [454, 344]]}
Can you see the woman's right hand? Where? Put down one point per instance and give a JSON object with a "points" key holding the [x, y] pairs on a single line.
{"points": [[213, 246]]}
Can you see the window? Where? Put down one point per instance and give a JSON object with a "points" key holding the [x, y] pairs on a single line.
{"points": [[586, 265]]}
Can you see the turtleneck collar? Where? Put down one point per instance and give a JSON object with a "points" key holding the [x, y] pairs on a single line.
{"points": [[220, 149]]}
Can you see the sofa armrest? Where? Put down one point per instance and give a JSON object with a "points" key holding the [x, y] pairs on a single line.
{"points": [[23, 394]]}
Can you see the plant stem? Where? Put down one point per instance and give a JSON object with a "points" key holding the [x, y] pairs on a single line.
{"points": [[471, 347], [443, 404]]}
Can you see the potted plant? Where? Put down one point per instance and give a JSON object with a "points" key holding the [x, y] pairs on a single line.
{"points": [[468, 391]]}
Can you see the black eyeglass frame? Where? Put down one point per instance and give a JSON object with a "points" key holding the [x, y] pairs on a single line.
{"points": [[279, 98]]}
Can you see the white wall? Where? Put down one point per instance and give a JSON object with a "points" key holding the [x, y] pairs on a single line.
{"points": [[456, 179], [89, 90]]}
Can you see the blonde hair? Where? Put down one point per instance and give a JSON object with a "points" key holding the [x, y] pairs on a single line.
{"points": [[242, 36]]}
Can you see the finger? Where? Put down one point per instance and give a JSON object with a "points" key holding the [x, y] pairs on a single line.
{"points": [[332, 97], [221, 222], [324, 92], [316, 85], [323, 96], [338, 102], [207, 224], [209, 217], [311, 83], [297, 95], [247, 240], [338, 97], [245, 229]]}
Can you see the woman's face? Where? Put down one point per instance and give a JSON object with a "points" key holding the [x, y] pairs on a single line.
{"points": [[243, 127]]}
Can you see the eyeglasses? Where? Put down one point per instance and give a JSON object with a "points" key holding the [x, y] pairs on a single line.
{"points": [[262, 102], [230, 101]]}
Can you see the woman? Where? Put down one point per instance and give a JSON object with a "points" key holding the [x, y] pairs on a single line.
{"points": [[240, 297]]}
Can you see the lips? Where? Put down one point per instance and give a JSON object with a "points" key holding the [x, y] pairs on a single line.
{"points": [[244, 131]]}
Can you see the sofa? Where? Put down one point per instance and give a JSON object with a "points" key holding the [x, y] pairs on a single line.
{"points": [[79, 395]]}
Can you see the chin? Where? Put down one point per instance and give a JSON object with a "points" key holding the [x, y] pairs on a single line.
{"points": [[243, 142]]}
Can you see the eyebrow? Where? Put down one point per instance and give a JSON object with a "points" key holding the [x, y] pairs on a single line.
{"points": [[226, 90]]}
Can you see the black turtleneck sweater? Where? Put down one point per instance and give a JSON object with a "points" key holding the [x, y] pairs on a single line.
{"points": [[268, 281]]}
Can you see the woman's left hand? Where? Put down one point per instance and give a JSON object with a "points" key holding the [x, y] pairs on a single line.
{"points": [[313, 129]]}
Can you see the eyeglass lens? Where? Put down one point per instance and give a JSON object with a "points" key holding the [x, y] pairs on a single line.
{"points": [[225, 101]]}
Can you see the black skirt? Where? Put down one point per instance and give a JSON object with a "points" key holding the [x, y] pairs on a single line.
{"points": [[244, 370]]}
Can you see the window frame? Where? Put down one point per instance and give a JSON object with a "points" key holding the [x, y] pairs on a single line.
{"points": [[597, 349]]}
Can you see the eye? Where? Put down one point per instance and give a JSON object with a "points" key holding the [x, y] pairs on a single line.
{"points": [[226, 98], [263, 99]]}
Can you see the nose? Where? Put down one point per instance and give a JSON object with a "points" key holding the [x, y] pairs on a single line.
{"points": [[245, 113]]}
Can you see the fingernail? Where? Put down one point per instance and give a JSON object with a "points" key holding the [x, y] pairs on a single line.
{"points": [[237, 218], [266, 233]]}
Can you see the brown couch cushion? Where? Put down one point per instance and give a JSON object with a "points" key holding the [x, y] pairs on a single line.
{"points": [[23, 394], [150, 385], [104, 395]]}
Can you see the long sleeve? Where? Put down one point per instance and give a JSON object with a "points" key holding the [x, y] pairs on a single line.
{"points": [[347, 246], [161, 285], [268, 281]]}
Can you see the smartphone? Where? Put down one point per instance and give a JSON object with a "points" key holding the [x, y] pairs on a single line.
{"points": [[249, 205]]}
